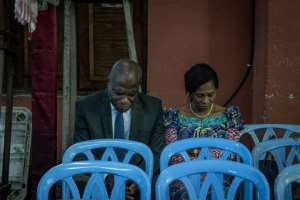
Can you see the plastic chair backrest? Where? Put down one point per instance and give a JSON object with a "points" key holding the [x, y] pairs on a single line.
{"points": [[287, 176], [284, 152], [110, 146], [211, 168], [97, 170], [270, 131], [281, 152], [228, 149]]}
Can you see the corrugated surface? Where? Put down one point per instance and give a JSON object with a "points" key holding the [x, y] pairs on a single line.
{"points": [[20, 147]]}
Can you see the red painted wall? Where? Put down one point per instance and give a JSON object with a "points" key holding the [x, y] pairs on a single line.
{"points": [[277, 74], [182, 33]]}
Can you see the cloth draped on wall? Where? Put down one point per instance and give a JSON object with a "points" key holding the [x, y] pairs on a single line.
{"points": [[26, 11], [44, 105]]}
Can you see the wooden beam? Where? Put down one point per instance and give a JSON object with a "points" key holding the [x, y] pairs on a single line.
{"points": [[7, 62], [1, 68], [8, 121], [129, 30], [69, 75], [2, 53], [73, 73], [144, 59]]}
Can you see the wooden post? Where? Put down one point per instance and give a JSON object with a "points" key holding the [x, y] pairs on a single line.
{"points": [[2, 45], [69, 75], [1, 64], [8, 122], [129, 30], [7, 62], [144, 58]]}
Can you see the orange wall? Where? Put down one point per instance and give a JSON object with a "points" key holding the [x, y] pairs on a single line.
{"points": [[182, 33], [277, 94]]}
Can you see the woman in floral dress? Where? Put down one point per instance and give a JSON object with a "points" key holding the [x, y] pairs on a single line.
{"points": [[200, 117]]}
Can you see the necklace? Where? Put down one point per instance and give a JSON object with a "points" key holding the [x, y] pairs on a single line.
{"points": [[201, 116]]}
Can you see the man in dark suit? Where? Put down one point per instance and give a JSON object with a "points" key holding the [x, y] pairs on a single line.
{"points": [[98, 115]]}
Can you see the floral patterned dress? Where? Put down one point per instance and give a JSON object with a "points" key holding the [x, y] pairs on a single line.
{"points": [[178, 126]]}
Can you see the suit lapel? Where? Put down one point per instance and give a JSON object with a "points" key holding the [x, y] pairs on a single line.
{"points": [[105, 115], [136, 120]]}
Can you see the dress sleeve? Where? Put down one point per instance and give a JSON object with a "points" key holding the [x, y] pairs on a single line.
{"points": [[170, 118], [234, 123]]}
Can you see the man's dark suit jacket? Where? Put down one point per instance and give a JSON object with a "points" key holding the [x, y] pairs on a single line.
{"points": [[93, 121]]}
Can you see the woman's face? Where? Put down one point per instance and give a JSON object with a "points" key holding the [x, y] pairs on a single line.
{"points": [[203, 97]]}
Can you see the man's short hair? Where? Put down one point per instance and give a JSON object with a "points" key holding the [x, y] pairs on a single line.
{"points": [[125, 66]]}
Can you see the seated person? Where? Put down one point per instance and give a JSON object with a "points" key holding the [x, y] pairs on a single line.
{"points": [[200, 116], [121, 111]]}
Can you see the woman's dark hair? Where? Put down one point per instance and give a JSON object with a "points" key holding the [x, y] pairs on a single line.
{"points": [[198, 75]]}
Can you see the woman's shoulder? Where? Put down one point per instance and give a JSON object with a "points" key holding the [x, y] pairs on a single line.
{"points": [[176, 110], [174, 115]]}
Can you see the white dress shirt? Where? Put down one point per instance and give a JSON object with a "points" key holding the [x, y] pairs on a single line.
{"points": [[126, 117]]}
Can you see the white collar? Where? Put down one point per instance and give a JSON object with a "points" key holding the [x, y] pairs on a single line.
{"points": [[114, 110]]}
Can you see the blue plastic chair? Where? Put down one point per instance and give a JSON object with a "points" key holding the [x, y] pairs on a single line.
{"points": [[283, 151], [287, 176], [98, 170], [270, 131], [211, 168], [111, 149], [230, 149]]}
